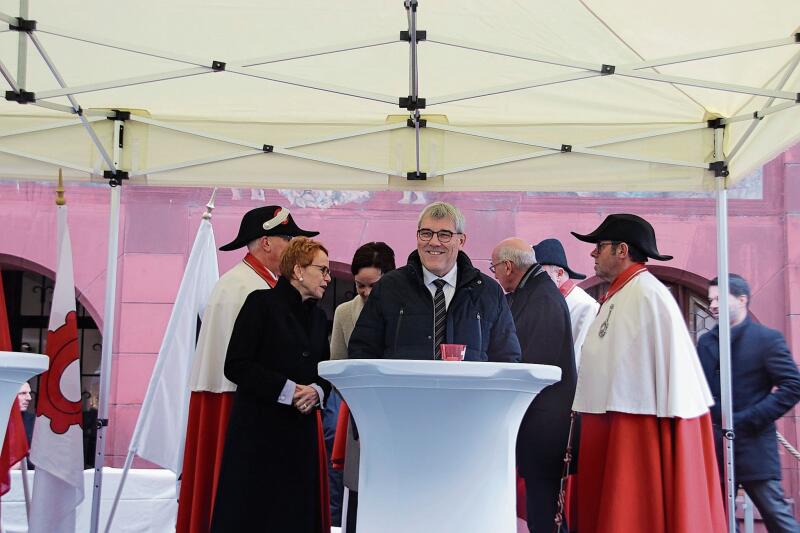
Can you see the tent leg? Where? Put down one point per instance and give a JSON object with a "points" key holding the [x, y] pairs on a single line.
{"points": [[725, 347], [126, 468], [108, 343]]}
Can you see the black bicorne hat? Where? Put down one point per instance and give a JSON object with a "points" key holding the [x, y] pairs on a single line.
{"points": [[627, 228], [266, 221], [551, 252]]}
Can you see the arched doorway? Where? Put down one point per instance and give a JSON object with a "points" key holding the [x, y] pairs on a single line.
{"points": [[28, 296]]}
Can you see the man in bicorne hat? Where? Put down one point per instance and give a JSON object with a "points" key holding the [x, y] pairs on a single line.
{"points": [[646, 460], [582, 307], [266, 232]]}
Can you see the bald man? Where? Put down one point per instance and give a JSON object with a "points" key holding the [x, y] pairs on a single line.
{"points": [[543, 326]]}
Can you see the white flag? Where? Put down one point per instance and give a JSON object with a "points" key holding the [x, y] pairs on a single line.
{"points": [[161, 428], [57, 448]]}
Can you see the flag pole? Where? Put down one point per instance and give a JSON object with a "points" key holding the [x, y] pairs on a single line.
{"points": [[26, 488]]}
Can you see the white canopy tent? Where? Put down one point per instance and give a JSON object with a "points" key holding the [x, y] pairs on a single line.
{"points": [[591, 95]]}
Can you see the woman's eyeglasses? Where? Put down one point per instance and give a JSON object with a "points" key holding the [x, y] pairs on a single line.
{"points": [[323, 269]]}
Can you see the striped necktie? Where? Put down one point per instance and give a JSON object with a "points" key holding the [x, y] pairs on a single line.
{"points": [[439, 317]]}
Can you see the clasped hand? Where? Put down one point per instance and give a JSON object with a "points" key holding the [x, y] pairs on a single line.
{"points": [[305, 398]]}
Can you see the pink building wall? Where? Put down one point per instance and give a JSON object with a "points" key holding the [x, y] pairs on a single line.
{"points": [[158, 227]]}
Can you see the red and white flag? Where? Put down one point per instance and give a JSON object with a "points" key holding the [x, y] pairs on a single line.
{"points": [[160, 431], [57, 447]]}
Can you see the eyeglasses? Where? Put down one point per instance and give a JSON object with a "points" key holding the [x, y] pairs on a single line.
{"points": [[443, 235], [599, 246], [323, 269], [493, 266]]}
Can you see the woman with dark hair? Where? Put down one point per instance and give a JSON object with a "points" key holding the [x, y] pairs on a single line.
{"points": [[370, 262], [271, 476]]}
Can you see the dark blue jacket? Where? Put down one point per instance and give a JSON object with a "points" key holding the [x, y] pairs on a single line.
{"points": [[397, 320], [760, 361]]}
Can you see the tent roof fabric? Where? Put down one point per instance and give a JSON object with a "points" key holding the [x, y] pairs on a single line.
{"points": [[516, 96]]}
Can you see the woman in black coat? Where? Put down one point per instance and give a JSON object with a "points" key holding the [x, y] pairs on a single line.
{"points": [[270, 474]]}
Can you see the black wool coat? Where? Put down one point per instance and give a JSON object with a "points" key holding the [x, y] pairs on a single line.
{"points": [[397, 320], [760, 361], [269, 478], [545, 335]]}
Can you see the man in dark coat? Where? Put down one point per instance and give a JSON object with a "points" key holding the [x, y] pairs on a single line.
{"points": [[765, 384], [397, 321], [545, 336]]}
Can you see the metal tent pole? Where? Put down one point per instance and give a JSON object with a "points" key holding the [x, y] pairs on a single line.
{"points": [[108, 331], [725, 337]]}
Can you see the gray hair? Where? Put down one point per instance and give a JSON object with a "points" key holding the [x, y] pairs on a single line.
{"points": [[522, 259], [440, 210]]}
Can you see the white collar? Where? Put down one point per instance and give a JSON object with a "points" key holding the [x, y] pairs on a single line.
{"points": [[450, 277]]}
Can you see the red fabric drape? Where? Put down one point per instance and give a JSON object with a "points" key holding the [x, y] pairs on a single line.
{"points": [[202, 458], [642, 473], [15, 445], [339, 450]]}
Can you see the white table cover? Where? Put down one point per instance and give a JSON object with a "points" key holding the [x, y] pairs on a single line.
{"points": [[148, 502], [437, 440]]}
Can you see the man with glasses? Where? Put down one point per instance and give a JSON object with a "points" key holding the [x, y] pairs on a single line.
{"points": [[266, 232], [543, 327], [646, 459], [437, 298]]}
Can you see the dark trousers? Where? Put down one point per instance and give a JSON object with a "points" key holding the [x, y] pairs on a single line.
{"points": [[541, 501], [767, 496]]}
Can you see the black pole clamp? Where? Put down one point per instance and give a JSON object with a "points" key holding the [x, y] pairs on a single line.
{"points": [[101, 423], [115, 177], [720, 169], [23, 25], [411, 103], [728, 434], [416, 176], [21, 96]]}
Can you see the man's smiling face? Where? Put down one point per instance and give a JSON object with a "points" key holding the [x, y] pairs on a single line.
{"points": [[439, 257]]}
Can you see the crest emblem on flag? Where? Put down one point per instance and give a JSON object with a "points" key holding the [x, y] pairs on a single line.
{"points": [[62, 347]]}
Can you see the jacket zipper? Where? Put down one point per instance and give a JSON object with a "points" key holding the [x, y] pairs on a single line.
{"points": [[397, 329], [480, 334]]}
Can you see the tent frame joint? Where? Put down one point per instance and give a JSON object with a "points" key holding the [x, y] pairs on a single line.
{"points": [[22, 24], [416, 176], [267, 148], [117, 114], [218, 66], [565, 148], [797, 37], [411, 123], [21, 97], [411, 103], [607, 70], [101, 422], [716, 123], [422, 35], [115, 179], [720, 169]]}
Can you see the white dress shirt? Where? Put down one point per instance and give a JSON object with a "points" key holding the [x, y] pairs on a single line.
{"points": [[450, 283]]}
